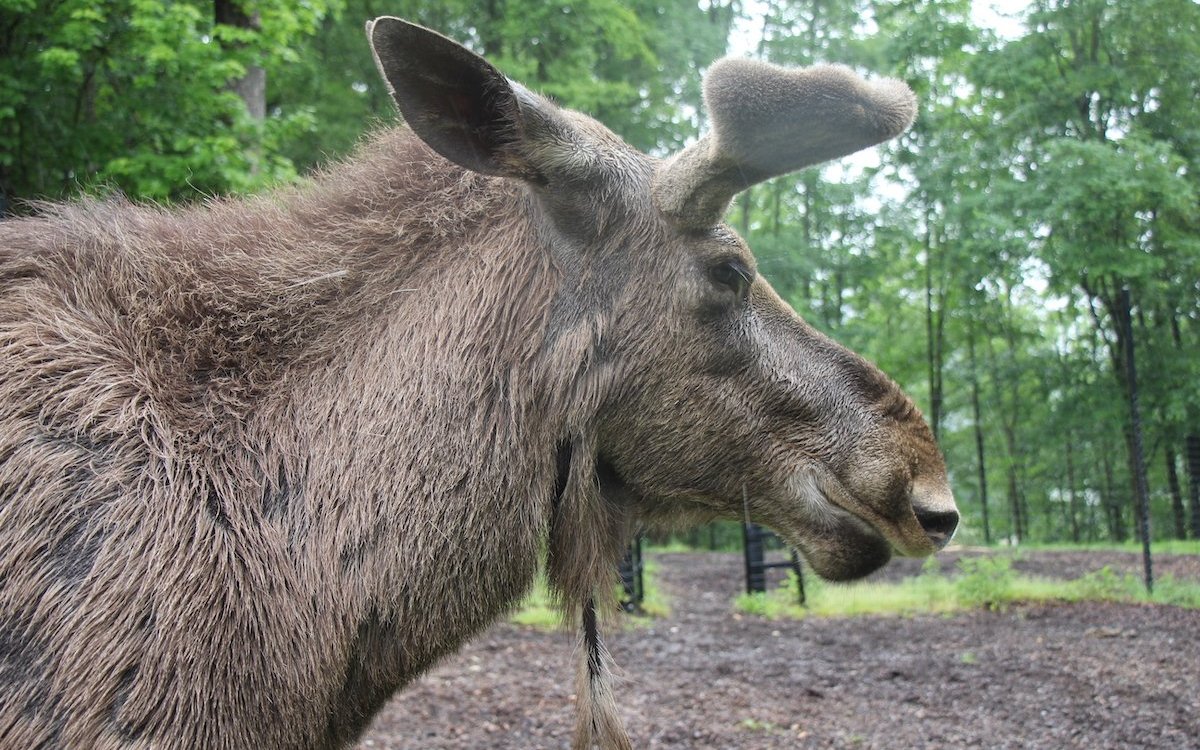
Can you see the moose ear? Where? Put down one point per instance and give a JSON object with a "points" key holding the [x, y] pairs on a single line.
{"points": [[453, 99]]}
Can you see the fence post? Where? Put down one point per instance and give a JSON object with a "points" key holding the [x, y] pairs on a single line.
{"points": [[754, 538], [632, 581]]}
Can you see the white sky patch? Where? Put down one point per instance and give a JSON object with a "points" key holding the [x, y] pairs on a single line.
{"points": [[1005, 17], [747, 29]]}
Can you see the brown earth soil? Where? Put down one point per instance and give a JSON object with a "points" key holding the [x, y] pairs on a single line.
{"points": [[1046, 676]]}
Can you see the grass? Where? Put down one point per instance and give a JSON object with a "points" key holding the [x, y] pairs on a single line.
{"points": [[755, 725], [539, 611], [672, 546], [982, 583], [1157, 546]]}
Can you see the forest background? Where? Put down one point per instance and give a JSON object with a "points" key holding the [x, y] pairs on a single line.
{"points": [[1025, 261]]}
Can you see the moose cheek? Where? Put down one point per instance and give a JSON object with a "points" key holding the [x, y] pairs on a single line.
{"points": [[726, 351], [725, 362]]}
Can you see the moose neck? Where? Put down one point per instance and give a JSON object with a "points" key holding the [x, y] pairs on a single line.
{"points": [[454, 293]]}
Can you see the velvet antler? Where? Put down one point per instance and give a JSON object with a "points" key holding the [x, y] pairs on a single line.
{"points": [[768, 121]]}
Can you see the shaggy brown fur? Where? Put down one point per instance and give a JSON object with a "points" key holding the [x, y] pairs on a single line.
{"points": [[264, 461]]}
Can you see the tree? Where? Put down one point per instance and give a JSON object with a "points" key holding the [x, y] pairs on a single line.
{"points": [[1085, 98], [635, 66], [136, 94]]}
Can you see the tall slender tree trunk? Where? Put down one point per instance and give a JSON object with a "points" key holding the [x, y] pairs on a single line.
{"points": [[1137, 457], [490, 38], [1072, 502], [808, 226], [252, 87], [1009, 424], [933, 333], [1192, 449], [1113, 507], [1178, 515], [1092, 526], [981, 462], [1015, 510]]}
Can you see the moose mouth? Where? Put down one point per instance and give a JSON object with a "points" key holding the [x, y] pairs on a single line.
{"points": [[853, 551], [835, 538]]}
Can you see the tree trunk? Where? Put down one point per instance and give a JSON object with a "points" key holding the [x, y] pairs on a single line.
{"points": [[1178, 516], [981, 463], [1009, 424], [1192, 449], [1092, 526], [489, 30], [1137, 454], [934, 328], [252, 87], [808, 227], [1014, 503], [1072, 501], [1113, 507]]}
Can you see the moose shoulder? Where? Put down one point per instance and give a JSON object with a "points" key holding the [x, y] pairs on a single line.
{"points": [[264, 461]]}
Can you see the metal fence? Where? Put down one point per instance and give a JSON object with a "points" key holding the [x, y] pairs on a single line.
{"points": [[755, 540]]}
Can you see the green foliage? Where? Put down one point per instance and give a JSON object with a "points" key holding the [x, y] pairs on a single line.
{"points": [[726, 536], [135, 94], [633, 65], [655, 603], [920, 594], [985, 582]]}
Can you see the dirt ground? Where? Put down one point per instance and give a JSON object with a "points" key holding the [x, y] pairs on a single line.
{"points": [[1064, 676]]}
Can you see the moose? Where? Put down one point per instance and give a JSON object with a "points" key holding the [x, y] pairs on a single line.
{"points": [[265, 460]]}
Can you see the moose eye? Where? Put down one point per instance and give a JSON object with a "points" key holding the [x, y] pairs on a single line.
{"points": [[732, 275]]}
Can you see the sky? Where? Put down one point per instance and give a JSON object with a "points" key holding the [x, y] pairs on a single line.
{"points": [[1002, 16]]}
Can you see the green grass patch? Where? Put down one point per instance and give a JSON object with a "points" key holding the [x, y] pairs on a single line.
{"points": [[764, 727], [985, 582], [1157, 546], [655, 603], [671, 546], [538, 610]]}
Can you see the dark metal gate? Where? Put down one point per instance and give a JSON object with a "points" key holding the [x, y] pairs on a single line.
{"points": [[755, 538]]}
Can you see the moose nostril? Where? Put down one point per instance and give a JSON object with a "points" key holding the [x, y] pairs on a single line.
{"points": [[939, 525]]}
